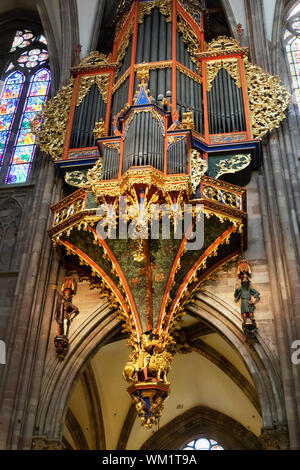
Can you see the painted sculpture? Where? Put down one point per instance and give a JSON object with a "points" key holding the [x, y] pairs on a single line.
{"points": [[64, 315], [249, 297]]}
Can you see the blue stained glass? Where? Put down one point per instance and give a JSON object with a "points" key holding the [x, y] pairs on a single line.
{"points": [[42, 76], [8, 106], [11, 90], [5, 121], [18, 174], [203, 444], [25, 148], [25, 137], [35, 103], [39, 88], [3, 136], [16, 77], [27, 118], [23, 154]]}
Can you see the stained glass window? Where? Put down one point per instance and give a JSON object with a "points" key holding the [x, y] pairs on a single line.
{"points": [[26, 86], [8, 105], [203, 444], [25, 143], [292, 44]]}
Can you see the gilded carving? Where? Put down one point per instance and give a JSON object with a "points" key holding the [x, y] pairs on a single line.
{"points": [[124, 44], [50, 125], [189, 37], [189, 73], [121, 80], [99, 130], [224, 197], [165, 8], [142, 72], [188, 120], [198, 168], [233, 165], [102, 82], [94, 175], [92, 61], [230, 65], [76, 178], [268, 99]]}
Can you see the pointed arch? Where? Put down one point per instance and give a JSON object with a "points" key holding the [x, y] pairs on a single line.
{"points": [[9, 102], [100, 325], [24, 147]]}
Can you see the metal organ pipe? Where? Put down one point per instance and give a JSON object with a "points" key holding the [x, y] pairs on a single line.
{"points": [[225, 105], [90, 110]]}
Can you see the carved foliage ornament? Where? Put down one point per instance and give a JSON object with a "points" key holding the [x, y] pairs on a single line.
{"points": [[233, 165], [93, 60], [198, 169], [94, 175], [222, 43], [76, 178], [165, 8], [231, 66], [102, 82], [51, 124], [188, 35], [268, 99], [124, 44]]}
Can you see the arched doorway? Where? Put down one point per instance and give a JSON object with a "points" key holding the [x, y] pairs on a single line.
{"points": [[84, 403]]}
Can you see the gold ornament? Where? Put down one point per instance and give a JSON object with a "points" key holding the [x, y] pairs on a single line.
{"points": [[189, 37], [76, 178], [198, 168], [165, 8], [50, 125], [99, 130], [188, 120], [94, 175], [102, 82], [230, 65], [268, 99], [233, 165], [142, 72]]}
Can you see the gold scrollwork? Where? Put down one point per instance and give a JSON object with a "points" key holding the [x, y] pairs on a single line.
{"points": [[50, 125], [230, 65], [189, 73], [76, 178], [165, 8], [68, 211], [233, 165], [198, 168], [188, 120], [222, 43], [94, 175], [142, 72], [224, 197], [124, 43], [121, 80], [102, 82], [93, 60], [99, 130], [268, 99], [189, 37]]}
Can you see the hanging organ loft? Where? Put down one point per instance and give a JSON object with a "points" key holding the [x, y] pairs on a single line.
{"points": [[164, 118]]}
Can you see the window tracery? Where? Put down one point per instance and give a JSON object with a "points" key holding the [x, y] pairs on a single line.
{"points": [[26, 86], [203, 443]]}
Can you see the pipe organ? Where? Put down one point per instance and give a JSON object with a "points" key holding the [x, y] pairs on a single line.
{"points": [[165, 118]]}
